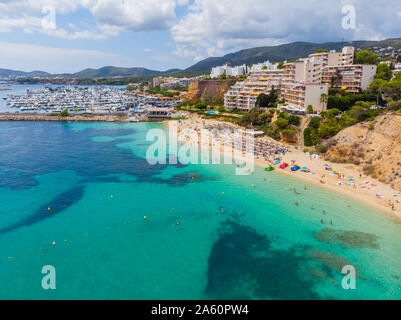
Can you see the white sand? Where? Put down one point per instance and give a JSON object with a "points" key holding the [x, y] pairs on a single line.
{"points": [[362, 191]]}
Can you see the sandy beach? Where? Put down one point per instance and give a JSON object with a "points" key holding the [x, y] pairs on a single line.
{"points": [[346, 179]]}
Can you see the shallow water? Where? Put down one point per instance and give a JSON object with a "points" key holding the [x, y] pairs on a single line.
{"points": [[113, 218]]}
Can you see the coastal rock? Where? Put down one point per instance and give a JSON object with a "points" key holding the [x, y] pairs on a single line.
{"points": [[208, 91], [375, 146]]}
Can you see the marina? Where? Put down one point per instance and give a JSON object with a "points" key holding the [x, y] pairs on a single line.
{"points": [[95, 100]]}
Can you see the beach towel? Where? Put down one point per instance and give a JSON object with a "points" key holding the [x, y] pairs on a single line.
{"points": [[379, 196]]}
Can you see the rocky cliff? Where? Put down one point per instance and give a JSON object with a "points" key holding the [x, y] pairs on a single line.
{"points": [[376, 146], [209, 91]]}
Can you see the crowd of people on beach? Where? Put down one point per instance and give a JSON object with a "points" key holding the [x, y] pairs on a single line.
{"points": [[270, 152], [237, 138]]}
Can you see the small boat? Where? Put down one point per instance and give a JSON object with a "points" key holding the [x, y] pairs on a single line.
{"points": [[270, 168], [284, 165], [295, 168]]}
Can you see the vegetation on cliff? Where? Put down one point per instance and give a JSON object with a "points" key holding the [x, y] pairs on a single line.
{"points": [[277, 125]]}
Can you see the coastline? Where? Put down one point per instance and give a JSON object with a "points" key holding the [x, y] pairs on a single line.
{"points": [[364, 189], [362, 192], [69, 118]]}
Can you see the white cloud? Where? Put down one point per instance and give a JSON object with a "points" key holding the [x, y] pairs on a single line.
{"points": [[136, 15], [147, 50], [60, 60], [213, 27], [110, 16]]}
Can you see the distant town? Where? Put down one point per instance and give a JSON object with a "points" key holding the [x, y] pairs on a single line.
{"points": [[301, 86]]}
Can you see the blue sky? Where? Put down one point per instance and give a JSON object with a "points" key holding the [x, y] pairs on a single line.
{"points": [[165, 34]]}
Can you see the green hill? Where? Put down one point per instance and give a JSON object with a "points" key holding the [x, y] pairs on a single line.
{"points": [[290, 51]]}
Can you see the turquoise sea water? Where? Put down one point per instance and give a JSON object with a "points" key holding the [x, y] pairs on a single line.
{"points": [[238, 237]]}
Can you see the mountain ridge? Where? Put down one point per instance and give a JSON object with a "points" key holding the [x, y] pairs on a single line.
{"points": [[289, 51]]}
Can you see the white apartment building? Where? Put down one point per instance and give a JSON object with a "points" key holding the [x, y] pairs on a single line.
{"points": [[303, 82], [300, 95], [351, 78], [309, 69], [229, 71], [263, 66], [243, 94]]}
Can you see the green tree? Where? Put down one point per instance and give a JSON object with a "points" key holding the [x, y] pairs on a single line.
{"points": [[201, 105], [324, 98], [221, 109], [397, 76], [315, 122], [366, 57], [280, 65], [281, 123], [321, 50], [294, 120], [377, 88], [262, 101], [384, 72], [309, 109], [393, 89], [267, 101], [64, 113]]}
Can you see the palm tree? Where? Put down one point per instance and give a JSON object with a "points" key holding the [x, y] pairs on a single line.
{"points": [[324, 98]]}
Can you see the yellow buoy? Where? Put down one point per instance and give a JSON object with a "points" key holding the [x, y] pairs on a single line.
{"points": [[48, 209], [54, 243], [222, 193], [111, 197], [9, 258], [144, 217]]}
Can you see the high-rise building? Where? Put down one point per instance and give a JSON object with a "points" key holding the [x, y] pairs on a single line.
{"points": [[229, 71], [303, 82], [243, 94], [351, 78]]}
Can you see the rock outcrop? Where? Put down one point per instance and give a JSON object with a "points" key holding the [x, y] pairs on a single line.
{"points": [[208, 91], [375, 146]]}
